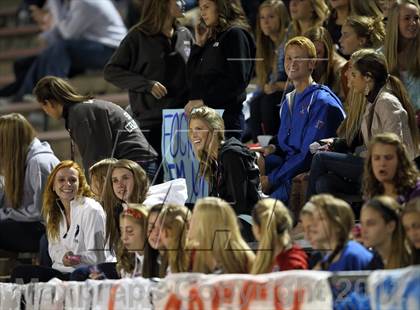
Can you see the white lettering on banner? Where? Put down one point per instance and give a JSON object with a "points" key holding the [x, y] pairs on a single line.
{"points": [[395, 289], [297, 290], [178, 155]]}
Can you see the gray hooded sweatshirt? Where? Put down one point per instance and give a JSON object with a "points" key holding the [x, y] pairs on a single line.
{"points": [[40, 161]]}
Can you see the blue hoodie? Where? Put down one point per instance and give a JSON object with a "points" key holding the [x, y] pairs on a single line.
{"points": [[40, 161], [305, 117]]}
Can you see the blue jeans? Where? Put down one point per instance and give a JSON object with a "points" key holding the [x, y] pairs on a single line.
{"points": [[65, 57], [335, 173]]}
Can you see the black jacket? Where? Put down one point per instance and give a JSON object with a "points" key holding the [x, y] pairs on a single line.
{"points": [[237, 178], [97, 126], [220, 71], [140, 61]]}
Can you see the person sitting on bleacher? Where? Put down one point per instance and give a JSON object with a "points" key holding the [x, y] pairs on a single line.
{"points": [[25, 163], [75, 225], [309, 113], [79, 35], [410, 218]]}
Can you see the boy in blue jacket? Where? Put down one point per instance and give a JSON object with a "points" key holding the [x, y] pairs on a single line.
{"points": [[309, 113]]}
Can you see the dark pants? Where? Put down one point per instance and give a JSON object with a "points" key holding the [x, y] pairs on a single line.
{"points": [[28, 273], [234, 124], [20, 236], [335, 173], [265, 118], [44, 255], [82, 273], [65, 57]]}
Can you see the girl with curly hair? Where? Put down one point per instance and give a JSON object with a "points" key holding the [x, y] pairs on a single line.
{"points": [[389, 171]]}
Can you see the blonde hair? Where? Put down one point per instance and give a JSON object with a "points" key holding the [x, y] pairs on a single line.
{"points": [[126, 259], [266, 48], [50, 207], [392, 45], [369, 28], [218, 235], [406, 175], [101, 171], [366, 8], [351, 125], [304, 43], [275, 223], [140, 189], [16, 135], [216, 126], [340, 218], [389, 210], [321, 12], [175, 220]]}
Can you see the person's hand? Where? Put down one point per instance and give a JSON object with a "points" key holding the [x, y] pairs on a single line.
{"points": [[265, 184], [328, 141], [191, 105], [69, 259], [202, 33], [158, 90], [270, 88], [269, 149], [42, 17]]}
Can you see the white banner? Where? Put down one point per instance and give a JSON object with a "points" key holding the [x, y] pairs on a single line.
{"points": [[294, 290], [395, 289]]}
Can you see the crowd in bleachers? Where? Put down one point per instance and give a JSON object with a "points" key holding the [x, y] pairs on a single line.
{"points": [[338, 91]]}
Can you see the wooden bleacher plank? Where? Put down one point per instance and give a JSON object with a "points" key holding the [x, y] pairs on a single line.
{"points": [[5, 80], [27, 30], [13, 54], [53, 135], [24, 107]]}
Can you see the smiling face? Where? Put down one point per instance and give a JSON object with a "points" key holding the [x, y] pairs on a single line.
{"points": [[132, 236], [66, 184], [298, 66], [411, 223], [408, 21], [122, 183], [269, 21], [384, 162], [200, 135], [208, 12], [349, 40]]}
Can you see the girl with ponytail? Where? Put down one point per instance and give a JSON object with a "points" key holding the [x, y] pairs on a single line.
{"points": [[331, 231], [272, 226]]}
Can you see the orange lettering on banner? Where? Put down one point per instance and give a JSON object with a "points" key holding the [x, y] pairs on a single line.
{"points": [[252, 291], [227, 294], [297, 299], [112, 293], [195, 300], [173, 303]]}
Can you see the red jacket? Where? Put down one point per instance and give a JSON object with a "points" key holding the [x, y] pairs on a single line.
{"points": [[294, 258]]}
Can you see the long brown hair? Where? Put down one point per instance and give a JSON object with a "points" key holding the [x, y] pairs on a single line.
{"points": [[340, 218], [175, 220], [57, 90], [154, 14], [406, 176], [275, 224], [110, 201], [389, 210], [50, 209], [369, 28], [230, 14], [266, 48], [371, 63], [413, 206], [320, 14], [16, 134]]}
